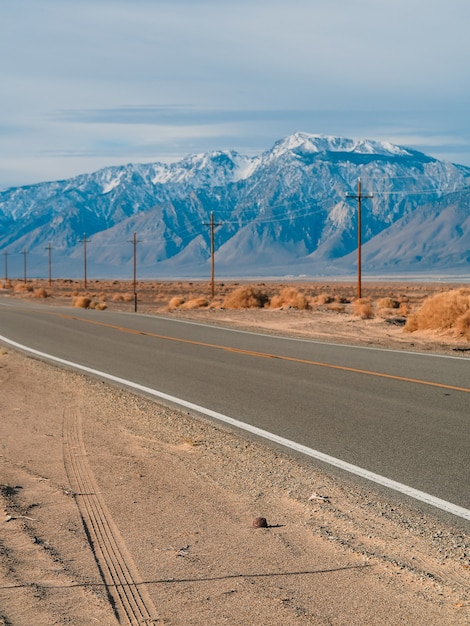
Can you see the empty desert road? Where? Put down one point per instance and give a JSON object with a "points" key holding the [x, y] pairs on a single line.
{"points": [[404, 416]]}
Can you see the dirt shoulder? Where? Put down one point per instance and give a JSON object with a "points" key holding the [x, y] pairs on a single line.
{"points": [[117, 507]]}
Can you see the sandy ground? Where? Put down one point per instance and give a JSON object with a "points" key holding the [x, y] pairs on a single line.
{"points": [[117, 509]]}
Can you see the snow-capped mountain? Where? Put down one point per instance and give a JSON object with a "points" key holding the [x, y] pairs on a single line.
{"points": [[286, 211]]}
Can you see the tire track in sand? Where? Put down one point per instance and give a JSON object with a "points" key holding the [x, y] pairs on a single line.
{"points": [[128, 597]]}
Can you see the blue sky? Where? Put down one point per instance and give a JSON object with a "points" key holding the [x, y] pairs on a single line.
{"points": [[91, 83]]}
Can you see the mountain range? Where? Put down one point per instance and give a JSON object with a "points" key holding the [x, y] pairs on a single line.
{"points": [[291, 211]]}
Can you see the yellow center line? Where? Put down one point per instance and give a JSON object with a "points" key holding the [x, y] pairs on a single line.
{"points": [[265, 355]]}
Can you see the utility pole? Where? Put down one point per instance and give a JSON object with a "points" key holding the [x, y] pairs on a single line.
{"points": [[84, 241], [24, 253], [6, 265], [135, 241], [212, 225], [49, 250], [359, 197]]}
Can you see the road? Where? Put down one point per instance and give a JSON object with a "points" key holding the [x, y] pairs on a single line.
{"points": [[403, 416]]}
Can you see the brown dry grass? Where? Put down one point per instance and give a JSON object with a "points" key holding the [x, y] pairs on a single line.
{"points": [[176, 302], [289, 297], [363, 307], [98, 306], [324, 298], [87, 302], [195, 303], [336, 307], [387, 303], [122, 297], [448, 311], [22, 287], [462, 325], [40, 292], [248, 297], [81, 302], [404, 309]]}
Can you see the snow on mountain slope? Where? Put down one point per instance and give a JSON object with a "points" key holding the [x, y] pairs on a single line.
{"points": [[287, 208], [306, 143]]}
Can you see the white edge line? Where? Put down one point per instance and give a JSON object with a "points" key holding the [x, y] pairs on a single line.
{"points": [[443, 505]]}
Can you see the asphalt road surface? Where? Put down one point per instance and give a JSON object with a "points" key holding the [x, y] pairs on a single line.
{"points": [[404, 416]]}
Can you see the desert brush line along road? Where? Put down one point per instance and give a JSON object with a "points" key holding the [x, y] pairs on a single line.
{"points": [[397, 419]]}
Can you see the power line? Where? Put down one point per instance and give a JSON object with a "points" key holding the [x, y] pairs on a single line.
{"points": [[187, 231]]}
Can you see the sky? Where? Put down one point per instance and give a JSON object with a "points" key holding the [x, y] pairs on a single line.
{"points": [[92, 83]]}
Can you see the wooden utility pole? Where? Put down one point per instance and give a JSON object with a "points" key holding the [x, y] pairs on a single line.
{"points": [[6, 265], [135, 241], [24, 253], [359, 197], [84, 241], [212, 225], [49, 251]]}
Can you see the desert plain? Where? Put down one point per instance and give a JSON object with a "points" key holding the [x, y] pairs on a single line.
{"points": [[96, 480]]}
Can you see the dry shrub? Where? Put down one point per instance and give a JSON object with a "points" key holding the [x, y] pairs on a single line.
{"points": [[22, 288], [217, 303], [40, 292], [462, 325], [449, 310], [98, 306], [336, 307], [290, 297], [404, 308], [195, 303], [246, 298], [81, 302], [363, 307], [7, 284], [121, 297], [388, 303], [324, 298], [176, 302]]}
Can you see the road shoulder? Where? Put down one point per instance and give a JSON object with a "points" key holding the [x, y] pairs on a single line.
{"points": [[183, 493]]}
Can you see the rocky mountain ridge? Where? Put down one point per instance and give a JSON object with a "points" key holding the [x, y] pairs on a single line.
{"points": [[284, 212]]}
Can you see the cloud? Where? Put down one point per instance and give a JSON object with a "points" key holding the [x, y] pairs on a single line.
{"points": [[161, 78], [161, 114]]}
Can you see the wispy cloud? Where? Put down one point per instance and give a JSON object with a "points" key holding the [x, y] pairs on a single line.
{"points": [[160, 78], [175, 115]]}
